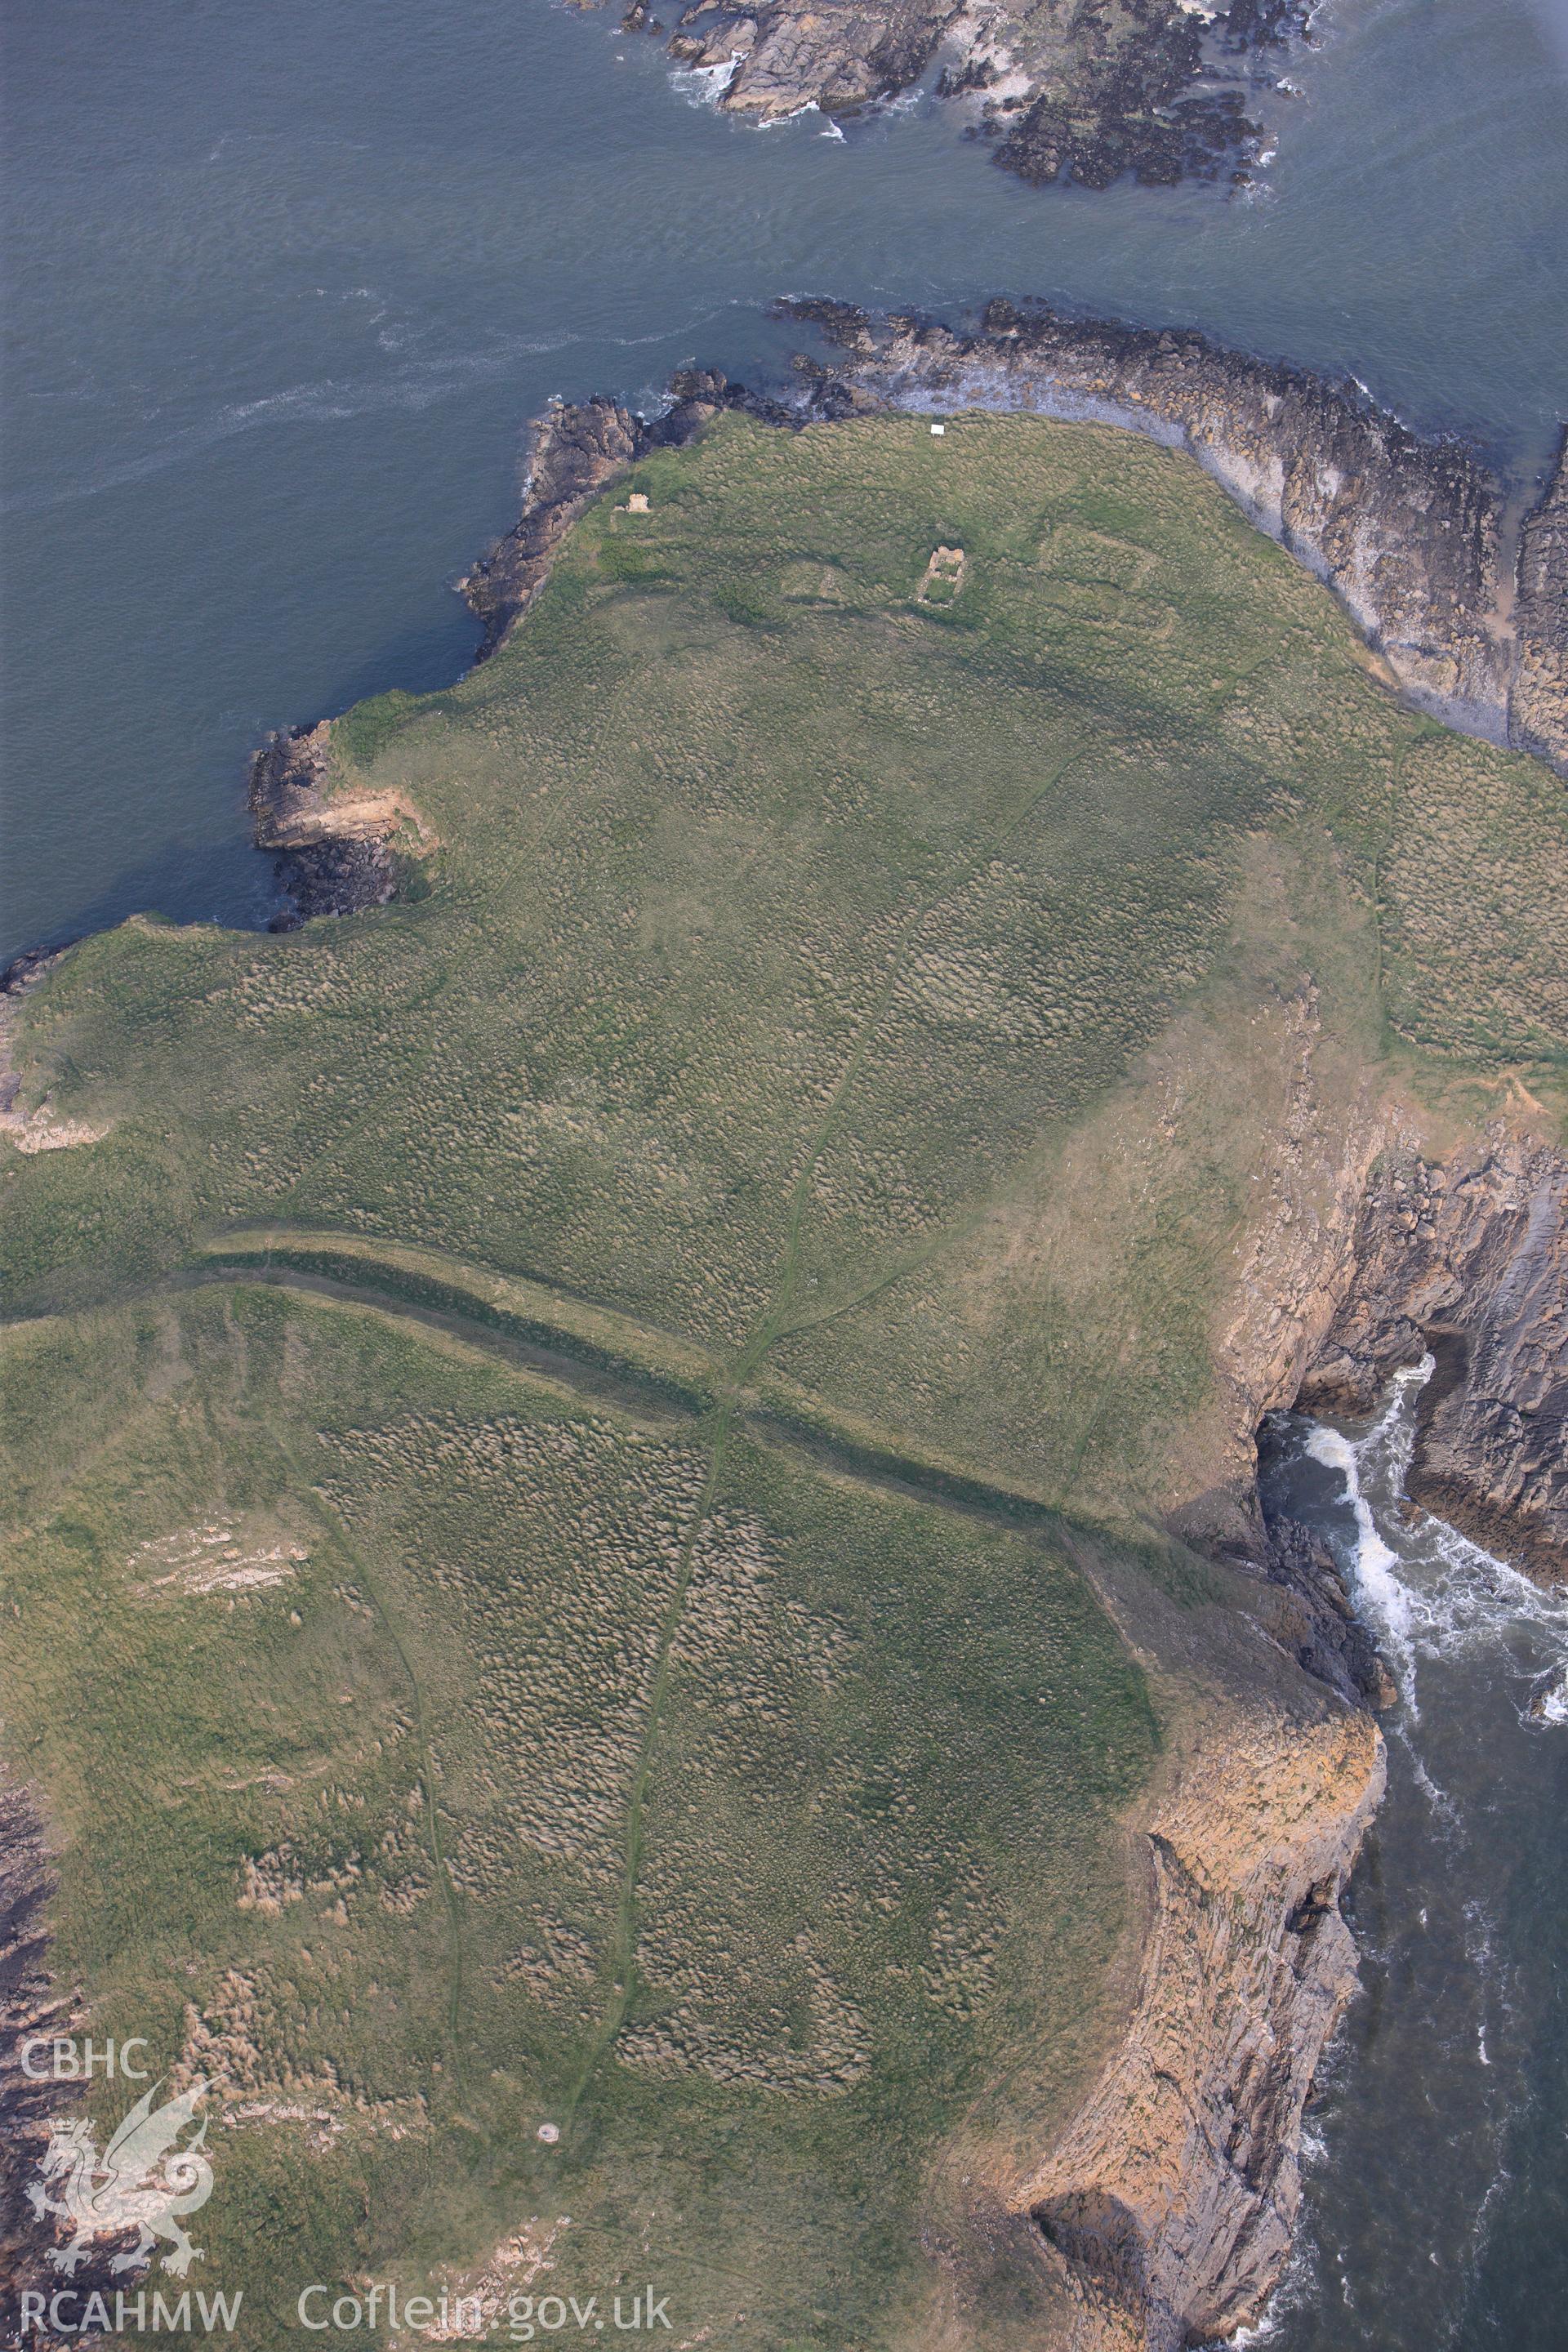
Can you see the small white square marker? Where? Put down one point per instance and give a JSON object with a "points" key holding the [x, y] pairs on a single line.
{"points": [[939, 430]]}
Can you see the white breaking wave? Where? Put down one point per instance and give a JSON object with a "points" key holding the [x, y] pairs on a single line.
{"points": [[1553, 1700], [1379, 1587], [704, 85], [1430, 1589], [1488, 1644], [773, 122]]}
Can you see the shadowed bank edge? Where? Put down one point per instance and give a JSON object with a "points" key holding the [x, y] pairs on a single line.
{"points": [[1164, 2210]]}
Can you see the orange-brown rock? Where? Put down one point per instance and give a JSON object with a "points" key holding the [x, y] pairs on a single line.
{"points": [[1168, 2206]]}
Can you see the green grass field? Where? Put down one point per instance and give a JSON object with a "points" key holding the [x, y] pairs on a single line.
{"points": [[728, 1818], [558, 1430]]}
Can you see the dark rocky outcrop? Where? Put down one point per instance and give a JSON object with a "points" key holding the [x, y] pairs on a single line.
{"points": [[1409, 532], [576, 452], [329, 861], [30, 966], [1082, 89], [1468, 1260], [1319, 1624], [1131, 102], [1538, 708]]}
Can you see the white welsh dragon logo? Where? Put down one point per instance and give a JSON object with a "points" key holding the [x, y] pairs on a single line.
{"points": [[143, 2181]]}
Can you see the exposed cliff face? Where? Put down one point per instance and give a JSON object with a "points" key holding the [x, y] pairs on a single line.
{"points": [[1470, 1260], [1407, 533], [1170, 2204], [1368, 1252], [1318, 1624], [1086, 90], [1538, 711], [331, 859]]}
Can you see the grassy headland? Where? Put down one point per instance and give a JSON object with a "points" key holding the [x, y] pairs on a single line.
{"points": [[558, 1429]]}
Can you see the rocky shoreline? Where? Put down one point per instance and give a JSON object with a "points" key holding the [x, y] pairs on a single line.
{"points": [[576, 452], [1087, 90], [323, 865], [334, 855], [1168, 2208], [1412, 535], [1468, 1261]]}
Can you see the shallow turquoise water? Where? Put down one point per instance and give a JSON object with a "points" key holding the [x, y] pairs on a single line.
{"points": [[285, 282]]}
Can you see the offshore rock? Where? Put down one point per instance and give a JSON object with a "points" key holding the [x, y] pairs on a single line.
{"points": [[1084, 89], [1406, 531]]}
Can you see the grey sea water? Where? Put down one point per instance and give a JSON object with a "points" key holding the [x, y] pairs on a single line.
{"points": [[283, 284], [1436, 2213]]}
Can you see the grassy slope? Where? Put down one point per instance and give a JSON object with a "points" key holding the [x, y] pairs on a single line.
{"points": [[825, 1005], [874, 1832]]}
